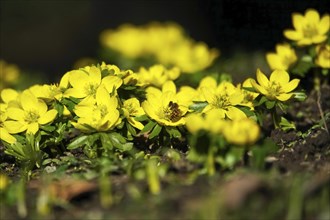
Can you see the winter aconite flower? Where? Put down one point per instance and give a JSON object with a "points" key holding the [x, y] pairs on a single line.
{"points": [[225, 97], [309, 28], [85, 82], [157, 75], [277, 87], [28, 117], [164, 106], [284, 57], [242, 131], [210, 122], [99, 114], [323, 56], [4, 134], [132, 108]]}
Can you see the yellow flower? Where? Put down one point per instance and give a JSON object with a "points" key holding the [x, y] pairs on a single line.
{"points": [[4, 134], [243, 131], [164, 106], [283, 58], [99, 114], [9, 74], [86, 81], [278, 87], [192, 57], [309, 29], [225, 97], [210, 121], [157, 75], [132, 108], [323, 56], [248, 96], [31, 113]]}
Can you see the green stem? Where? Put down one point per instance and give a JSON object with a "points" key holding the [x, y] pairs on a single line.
{"points": [[152, 176]]}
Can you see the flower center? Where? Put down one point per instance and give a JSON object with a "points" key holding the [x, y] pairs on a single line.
{"points": [[310, 31], [274, 89], [90, 89], [172, 112], [221, 101], [31, 117]]}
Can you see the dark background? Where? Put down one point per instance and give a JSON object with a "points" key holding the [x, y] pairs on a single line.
{"points": [[50, 35]]}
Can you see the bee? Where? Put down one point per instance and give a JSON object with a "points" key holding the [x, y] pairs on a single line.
{"points": [[175, 114]]}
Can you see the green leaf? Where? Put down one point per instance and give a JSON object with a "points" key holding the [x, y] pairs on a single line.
{"points": [[286, 125], [131, 129], [141, 118], [300, 96], [303, 66], [155, 131], [198, 106], [148, 127], [78, 142], [106, 141], [270, 104], [48, 128], [173, 132]]}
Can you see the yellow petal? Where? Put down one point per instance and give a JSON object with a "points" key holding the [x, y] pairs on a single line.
{"points": [[112, 82], [14, 127], [259, 88], [324, 24], [48, 117], [169, 86], [78, 79], [293, 35], [5, 136], [312, 16], [135, 123], [290, 86], [8, 95], [95, 75], [284, 97], [297, 20], [32, 128], [28, 100], [274, 61], [262, 78], [280, 76], [235, 113]]}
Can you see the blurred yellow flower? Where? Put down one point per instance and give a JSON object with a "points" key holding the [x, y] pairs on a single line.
{"points": [[131, 108], [165, 42], [31, 113], [284, 57], [157, 75], [323, 56], [278, 87], [248, 95], [9, 74], [164, 106], [243, 131], [309, 28], [225, 97], [99, 114], [210, 121]]}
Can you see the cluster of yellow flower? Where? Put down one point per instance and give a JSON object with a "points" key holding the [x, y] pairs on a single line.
{"points": [[166, 42], [309, 30], [100, 107]]}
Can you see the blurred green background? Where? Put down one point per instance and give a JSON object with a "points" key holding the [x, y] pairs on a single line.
{"points": [[50, 35]]}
